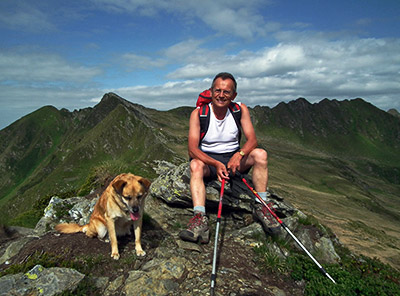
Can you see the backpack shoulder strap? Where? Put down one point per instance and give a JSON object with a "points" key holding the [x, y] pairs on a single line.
{"points": [[236, 112], [204, 115], [237, 115]]}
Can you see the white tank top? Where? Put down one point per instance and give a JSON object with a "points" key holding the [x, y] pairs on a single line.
{"points": [[222, 135]]}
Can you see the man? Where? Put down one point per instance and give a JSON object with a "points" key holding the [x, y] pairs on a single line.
{"points": [[218, 153]]}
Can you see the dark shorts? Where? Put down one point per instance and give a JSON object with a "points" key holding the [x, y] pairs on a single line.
{"points": [[222, 157]]}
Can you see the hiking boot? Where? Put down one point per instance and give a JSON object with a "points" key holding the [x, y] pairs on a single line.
{"points": [[268, 222], [197, 229]]}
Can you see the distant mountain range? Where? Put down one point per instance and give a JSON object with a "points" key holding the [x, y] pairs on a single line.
{"points": [[347, 149]]}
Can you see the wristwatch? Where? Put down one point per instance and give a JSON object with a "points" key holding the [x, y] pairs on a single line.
{"points": [[241, 152]]}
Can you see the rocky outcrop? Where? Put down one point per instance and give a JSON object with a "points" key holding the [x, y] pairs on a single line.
{"points": [[41, 281], [174, 267]]}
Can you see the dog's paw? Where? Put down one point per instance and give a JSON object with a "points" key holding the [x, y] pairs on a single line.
{"points": [[140, 253], [115, 256]]}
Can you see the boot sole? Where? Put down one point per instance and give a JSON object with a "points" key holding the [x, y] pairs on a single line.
{"points": [[199, 238]]}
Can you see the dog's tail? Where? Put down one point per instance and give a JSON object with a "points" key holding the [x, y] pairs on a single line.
{"points": [[69, 228]]}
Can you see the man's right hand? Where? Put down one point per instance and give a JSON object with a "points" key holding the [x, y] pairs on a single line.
{"points": [[222, 172]]}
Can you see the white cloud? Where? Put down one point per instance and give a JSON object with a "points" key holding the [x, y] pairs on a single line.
{"points": [[367, 68], [187, 51], [42, 68], [25, 17], [239, 17], [133, 62]]}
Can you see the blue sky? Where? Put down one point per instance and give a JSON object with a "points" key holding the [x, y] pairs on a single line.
{"points": [[161, 54]]}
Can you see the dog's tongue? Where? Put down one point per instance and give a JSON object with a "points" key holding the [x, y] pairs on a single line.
{"points": [[134, 216]]}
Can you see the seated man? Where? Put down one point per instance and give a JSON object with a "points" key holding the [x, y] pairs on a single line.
{"points": [[218, 153]]}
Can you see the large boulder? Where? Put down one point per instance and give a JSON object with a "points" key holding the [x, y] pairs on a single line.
{"points": [[41, 281], [173, 187]]}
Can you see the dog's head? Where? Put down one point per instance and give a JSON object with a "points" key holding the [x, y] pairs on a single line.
{"points": [[132, 190]]}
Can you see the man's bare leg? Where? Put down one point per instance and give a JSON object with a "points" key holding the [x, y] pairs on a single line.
{"points": [[197, 187], [260, 169], [197, 229], [258, 159]]}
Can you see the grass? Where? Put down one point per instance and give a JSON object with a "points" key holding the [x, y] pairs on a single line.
{"points": [[355, 275], [30, 218], [98, 176], [120, 138]]}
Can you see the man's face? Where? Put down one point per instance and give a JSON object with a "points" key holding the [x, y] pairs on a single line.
{"points": [[223, 92]]}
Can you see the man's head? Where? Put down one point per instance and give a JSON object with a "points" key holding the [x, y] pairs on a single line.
{"points": [[223, 90], [224, 76]]}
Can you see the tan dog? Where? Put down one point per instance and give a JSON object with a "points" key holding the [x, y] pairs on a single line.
{"points": [[120, 205]]}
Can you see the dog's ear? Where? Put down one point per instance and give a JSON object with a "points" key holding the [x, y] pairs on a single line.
{"points": [[146, 183], [119, 186]]}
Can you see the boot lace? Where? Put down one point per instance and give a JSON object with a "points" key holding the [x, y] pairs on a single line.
{"points": [[267, 213], [196, 221]]}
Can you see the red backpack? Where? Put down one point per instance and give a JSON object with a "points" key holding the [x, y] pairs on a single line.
{"points": [[204, 113]]}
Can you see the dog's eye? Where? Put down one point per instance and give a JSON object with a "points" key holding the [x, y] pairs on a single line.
{"points": [[139, 196], [128, 197]]}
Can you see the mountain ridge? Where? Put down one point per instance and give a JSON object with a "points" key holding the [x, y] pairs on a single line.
{"points": [[324, 155]]}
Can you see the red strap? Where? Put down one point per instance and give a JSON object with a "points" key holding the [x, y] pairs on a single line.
{"points": [[234, 107]]}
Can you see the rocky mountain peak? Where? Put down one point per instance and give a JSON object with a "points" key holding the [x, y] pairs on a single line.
{"points": [[394, 112]]}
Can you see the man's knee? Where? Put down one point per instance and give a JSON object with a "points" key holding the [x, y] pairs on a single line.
{"points": [[260, 156], [197, 166]]}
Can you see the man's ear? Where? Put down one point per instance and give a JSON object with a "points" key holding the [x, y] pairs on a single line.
{"points": [[234, 96], [119, 186]]}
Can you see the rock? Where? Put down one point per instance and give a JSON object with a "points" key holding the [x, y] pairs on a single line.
{"points": [[114, 285], [157, 278], [14, 248], [101, 283], [79, 210], [173, 187], [41, 281], [325, 246], [189, 246]]}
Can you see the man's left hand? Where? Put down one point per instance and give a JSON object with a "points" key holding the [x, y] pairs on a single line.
{"points": [[234, 163]]}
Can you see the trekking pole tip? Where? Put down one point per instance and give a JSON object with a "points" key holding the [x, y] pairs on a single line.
{"points": [[327, 275], [331, 278], [212, 292]]}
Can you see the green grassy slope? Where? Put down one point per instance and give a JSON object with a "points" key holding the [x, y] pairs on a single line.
{"points": [[113, 132], [337, 161]]}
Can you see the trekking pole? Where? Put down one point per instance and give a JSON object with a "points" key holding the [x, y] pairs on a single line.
{"points": [[214, 266], [288, 230]]}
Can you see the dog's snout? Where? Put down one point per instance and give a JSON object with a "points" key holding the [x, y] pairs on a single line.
{"points": [[135, 209]]}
